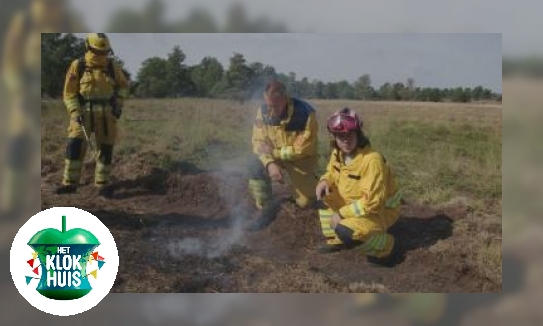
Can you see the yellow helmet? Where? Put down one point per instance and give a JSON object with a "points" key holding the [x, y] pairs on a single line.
{"points": [[98, 42]]}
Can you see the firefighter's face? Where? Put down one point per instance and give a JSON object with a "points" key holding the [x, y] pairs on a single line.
{"points": [[276, 101], [346, 141]]}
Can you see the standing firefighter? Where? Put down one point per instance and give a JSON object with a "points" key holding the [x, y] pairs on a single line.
{"points": [[94, 92], [284, 142], [360, 193]]}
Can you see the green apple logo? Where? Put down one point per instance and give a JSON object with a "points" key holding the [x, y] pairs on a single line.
{"points": [[63, 258]]}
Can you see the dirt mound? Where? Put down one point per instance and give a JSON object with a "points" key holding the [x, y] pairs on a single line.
{"points": [[182, 230]]}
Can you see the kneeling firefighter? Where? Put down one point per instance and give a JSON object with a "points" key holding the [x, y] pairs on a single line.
{"points": [[360, 194], [285, 146]]}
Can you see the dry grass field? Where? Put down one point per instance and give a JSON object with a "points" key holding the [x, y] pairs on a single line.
{"points": [[181, 200]]}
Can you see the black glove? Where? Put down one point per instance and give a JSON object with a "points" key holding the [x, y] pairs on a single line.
{"points": [[115, 108]]}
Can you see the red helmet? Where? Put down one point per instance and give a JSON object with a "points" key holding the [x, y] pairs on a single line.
{"points": [[344, 121]]}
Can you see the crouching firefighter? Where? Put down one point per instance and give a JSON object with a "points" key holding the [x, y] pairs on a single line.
{"points": [[94, 92], [285, 147], [359, 193]]}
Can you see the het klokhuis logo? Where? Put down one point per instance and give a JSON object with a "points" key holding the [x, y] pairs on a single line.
{"points": [[65, 258], [73, 261]]}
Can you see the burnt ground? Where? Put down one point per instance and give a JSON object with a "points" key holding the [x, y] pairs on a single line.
{"points": [[181, 230]]}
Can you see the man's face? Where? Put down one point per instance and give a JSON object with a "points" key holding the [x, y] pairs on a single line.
{"points": [[276, 102]]}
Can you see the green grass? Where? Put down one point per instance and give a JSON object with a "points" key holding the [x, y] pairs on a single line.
{"points": [[435, 162], [437, 151]]}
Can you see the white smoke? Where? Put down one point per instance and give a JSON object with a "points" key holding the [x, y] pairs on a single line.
{"points": [[230, 188]]}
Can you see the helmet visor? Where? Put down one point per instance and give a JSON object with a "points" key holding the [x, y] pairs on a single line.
{"points": [[342, 124]]}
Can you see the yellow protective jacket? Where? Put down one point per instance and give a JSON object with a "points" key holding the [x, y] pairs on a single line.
{"points": [[293, 138], [94, 84], [367, 185]]}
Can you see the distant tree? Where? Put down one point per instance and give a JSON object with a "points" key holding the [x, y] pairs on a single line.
{"points": [[477, 93], [238, 78], [487, 94], [151, 81], [319, 89], [409, 90], [330, 91], [362, 87], [459, 95], [398, 91], [178, 75], [206, 75], [305, 87], [345, 90], [435, 95], [386, 92], [292, 84]]}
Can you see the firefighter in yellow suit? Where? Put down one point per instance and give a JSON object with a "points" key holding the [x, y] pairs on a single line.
{"points": [[93, 94], [20, 93], [285, 146], [359, 192]]}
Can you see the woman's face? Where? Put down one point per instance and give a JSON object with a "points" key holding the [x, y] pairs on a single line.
{"points": [[346, 141]]}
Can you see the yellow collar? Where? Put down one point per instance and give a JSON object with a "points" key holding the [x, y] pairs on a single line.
{"points": [[356, 155]]}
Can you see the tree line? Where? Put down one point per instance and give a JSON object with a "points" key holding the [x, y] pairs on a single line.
{"points": [[171, 77]]}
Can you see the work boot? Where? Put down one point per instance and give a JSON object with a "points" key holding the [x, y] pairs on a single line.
{"points": [[66, 189], [395, 257], [106, 191], [326, 248], [265, 217]]}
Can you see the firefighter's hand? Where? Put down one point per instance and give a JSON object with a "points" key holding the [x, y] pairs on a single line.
{"points": [[265, 149], [322, 190], [334, 221], [274, 171]]}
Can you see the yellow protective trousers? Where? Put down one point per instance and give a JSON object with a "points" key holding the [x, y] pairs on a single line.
{"points": [[299, 173], [98, 120], [369, 231]]}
